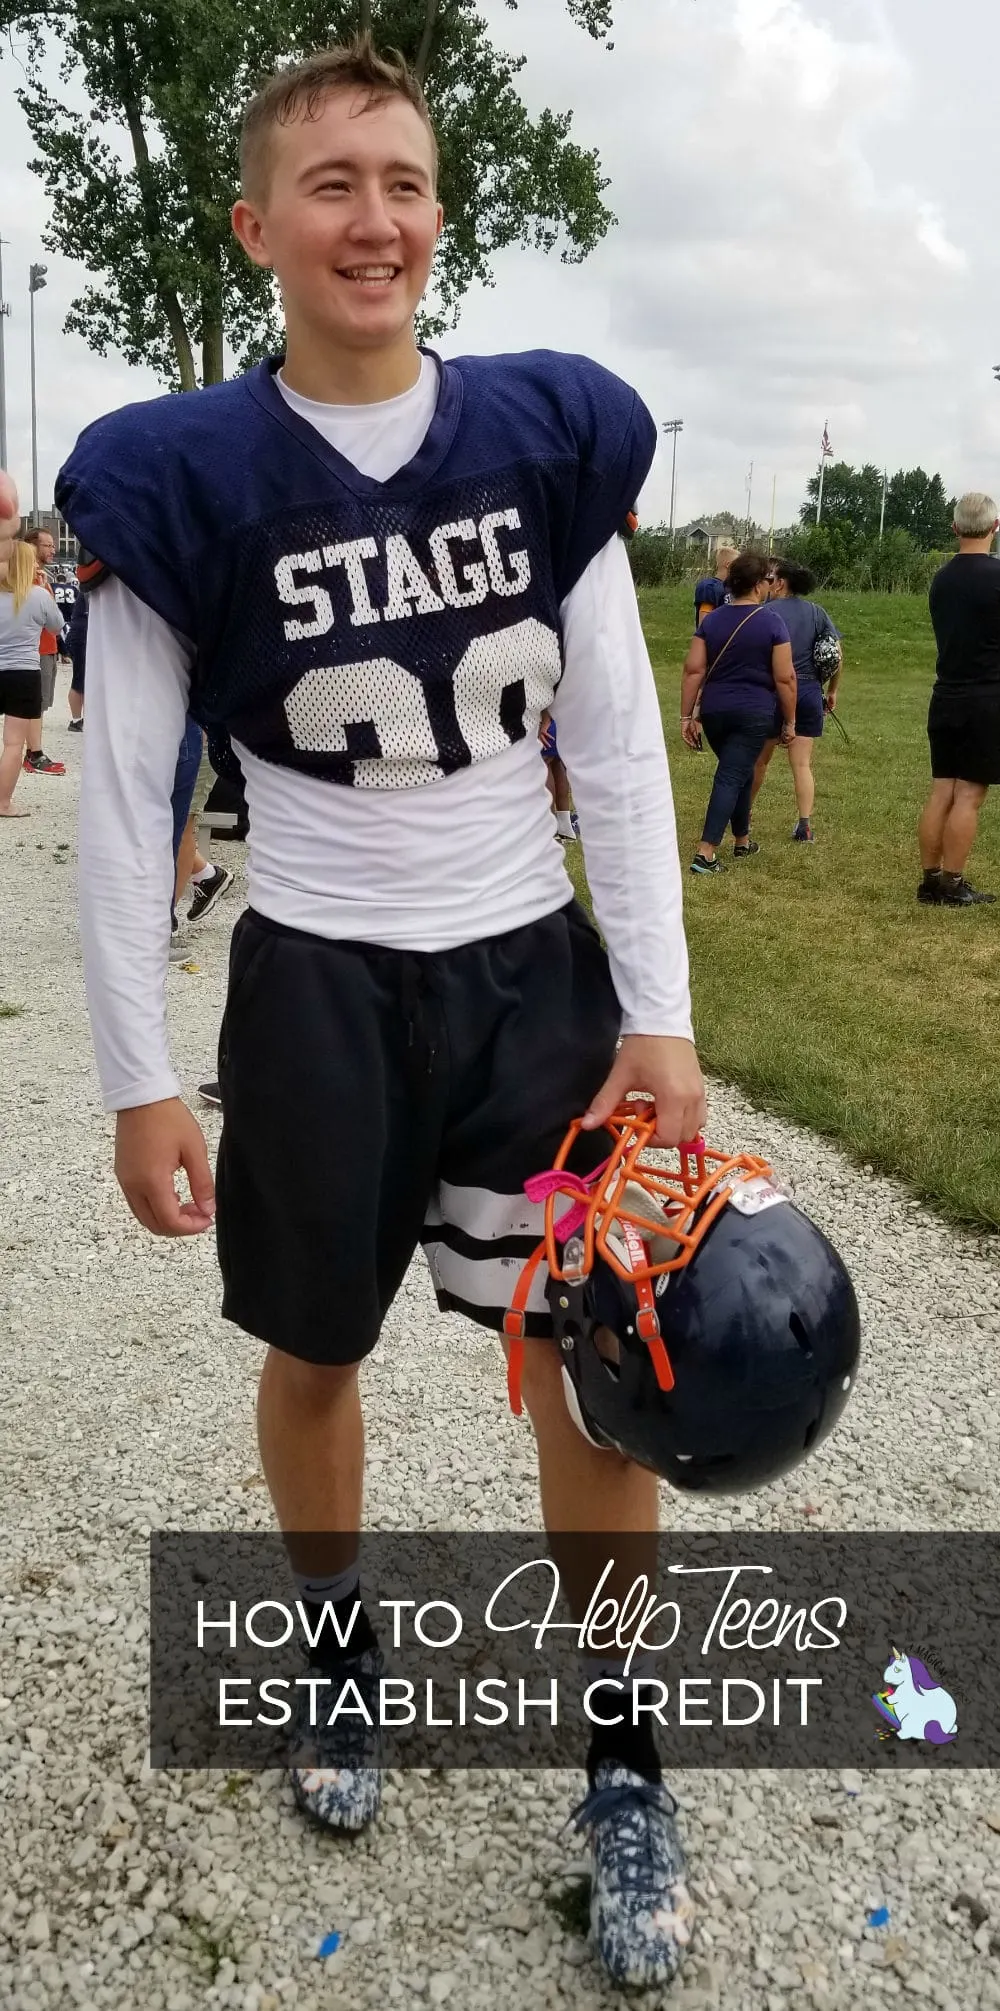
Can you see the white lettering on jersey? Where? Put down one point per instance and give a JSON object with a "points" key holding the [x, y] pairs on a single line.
{"points": [[500, 580], [408, 587], [351, 557], [475, 573], [528, 653], [381, 694], [284, 571]]}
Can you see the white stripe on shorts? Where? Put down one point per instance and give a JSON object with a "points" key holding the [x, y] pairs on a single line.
{"points": [[487, 1216], [487, 1282]]}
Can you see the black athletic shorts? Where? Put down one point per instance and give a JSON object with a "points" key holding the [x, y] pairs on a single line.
{"points": [[21, 693], [374, 1099], [963, 727]]}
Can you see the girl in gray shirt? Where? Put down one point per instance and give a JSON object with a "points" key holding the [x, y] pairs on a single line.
{"points": [[25, 610]]}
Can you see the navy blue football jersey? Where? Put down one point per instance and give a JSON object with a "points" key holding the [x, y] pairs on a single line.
{"points": [[709, 594], [64, 592], [380, 634]]}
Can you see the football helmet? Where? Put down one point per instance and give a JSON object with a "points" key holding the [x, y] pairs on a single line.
{"points": [[708, 1329], [827, 657]]}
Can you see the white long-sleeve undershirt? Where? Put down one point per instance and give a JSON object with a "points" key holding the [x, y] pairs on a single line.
{"points": [[428, 868]]}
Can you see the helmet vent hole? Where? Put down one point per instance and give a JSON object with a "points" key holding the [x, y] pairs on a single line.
{"points": [[799, 1334]]}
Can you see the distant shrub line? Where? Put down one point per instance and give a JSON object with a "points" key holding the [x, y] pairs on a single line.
{"points": [[843, 560]]}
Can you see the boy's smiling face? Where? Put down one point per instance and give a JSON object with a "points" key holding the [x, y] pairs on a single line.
{"points": [[349, 221]]}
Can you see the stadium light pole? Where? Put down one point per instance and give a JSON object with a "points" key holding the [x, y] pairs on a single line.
{"points": [[881, 521], [36, 280], [673, 426], [4, 311]]}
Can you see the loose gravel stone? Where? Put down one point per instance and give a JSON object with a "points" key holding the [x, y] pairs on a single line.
{"points": [[127, 1403]]}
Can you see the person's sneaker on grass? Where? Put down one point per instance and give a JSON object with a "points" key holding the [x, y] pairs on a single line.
{"points": [[336, 1769], [206, 893], [929, 892], [803, 832], [641, 1913], [957, 893], [38, 763], [699, 864], [745, 848], [210, 1093]]}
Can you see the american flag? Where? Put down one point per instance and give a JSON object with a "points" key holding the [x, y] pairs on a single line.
{"points": [[826, 448]]}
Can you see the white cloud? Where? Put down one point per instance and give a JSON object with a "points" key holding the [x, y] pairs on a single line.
{"points": [[792, 247]]}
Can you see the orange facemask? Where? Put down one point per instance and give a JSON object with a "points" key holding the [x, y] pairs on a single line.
{"points": [[623, 1213]]}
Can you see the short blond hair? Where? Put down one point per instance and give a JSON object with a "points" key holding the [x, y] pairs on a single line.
{"points": [[975, 515], [21, 573], [301, 91]]}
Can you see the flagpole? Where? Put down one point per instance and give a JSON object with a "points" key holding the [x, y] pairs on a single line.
{"points": [[774, 498], [885, 485], [825, 449]]}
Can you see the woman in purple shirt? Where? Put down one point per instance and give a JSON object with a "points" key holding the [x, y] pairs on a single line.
{"points": [[739, 688]]}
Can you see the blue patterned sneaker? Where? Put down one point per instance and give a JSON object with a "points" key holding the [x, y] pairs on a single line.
{"points": [[337, 1778], [641, 1914]]}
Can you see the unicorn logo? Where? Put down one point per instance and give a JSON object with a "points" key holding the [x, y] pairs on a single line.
{"points": [[913, 1703]]}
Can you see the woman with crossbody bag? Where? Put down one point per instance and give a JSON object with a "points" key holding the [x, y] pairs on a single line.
{"points": [[739, 690]]}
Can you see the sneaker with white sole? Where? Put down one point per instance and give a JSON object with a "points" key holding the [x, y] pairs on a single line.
{"points": [[206, 893], [641, 1913], [337, 1775]]}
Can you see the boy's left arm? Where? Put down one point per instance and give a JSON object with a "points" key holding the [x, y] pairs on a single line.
{"points": [[611, 739]]}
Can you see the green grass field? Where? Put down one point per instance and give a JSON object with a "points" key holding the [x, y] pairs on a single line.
{"points": [[818, 983]]}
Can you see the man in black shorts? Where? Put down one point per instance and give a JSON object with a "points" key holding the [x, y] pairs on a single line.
{"points": [[963, 724], [409, 560]]}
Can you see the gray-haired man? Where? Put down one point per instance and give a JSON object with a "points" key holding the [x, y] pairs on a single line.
{"points": [[963, 724]]}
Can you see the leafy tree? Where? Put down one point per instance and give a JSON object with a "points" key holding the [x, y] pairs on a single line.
{"points": [[915, 502], [918, 503], [850, 495], [146, 208]]}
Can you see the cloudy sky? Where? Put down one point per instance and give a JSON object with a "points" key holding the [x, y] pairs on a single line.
{"points": [[807, 199]]}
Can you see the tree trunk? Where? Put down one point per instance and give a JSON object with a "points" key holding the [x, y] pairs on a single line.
{"points": [[213, 364], [431, 12], [167, 297]]}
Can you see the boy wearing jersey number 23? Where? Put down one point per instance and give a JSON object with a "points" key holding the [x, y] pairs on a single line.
{"points": [[373, 570]]}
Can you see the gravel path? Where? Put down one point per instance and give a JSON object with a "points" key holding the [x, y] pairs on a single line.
{"points": [[127, 1404]]}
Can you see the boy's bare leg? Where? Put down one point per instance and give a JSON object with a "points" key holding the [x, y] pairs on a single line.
{"points": [[312, 1448], [582, 1487]]}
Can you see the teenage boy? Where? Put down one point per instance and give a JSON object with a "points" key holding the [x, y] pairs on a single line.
{"points": [[374, 571], [712, 591]]}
